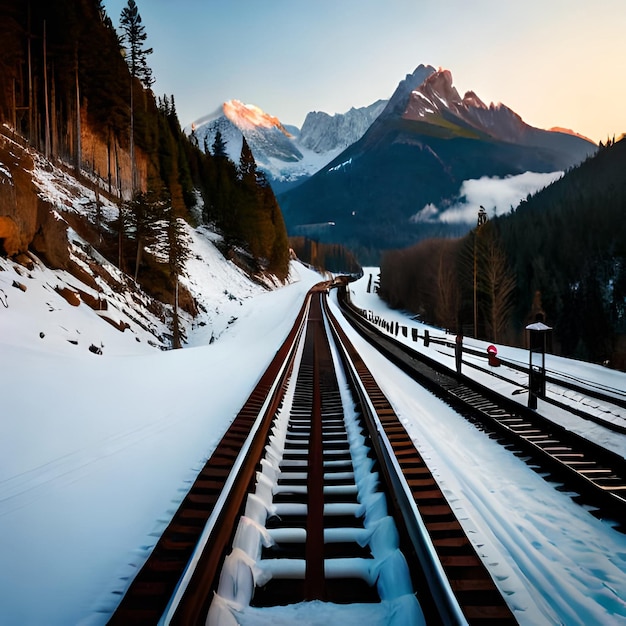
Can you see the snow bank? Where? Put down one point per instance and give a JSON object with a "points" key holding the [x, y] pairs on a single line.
{"points": [[97, 450]]}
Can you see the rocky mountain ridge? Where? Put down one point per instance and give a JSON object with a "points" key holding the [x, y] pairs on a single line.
{"points": [[437, 98], [419, 151], [322, 132]]}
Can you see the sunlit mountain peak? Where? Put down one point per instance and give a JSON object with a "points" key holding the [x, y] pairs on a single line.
{"points": [[249, 116]]}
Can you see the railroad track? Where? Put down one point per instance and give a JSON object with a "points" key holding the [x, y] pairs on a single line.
{"points": [[317, 495], [596, 475]]}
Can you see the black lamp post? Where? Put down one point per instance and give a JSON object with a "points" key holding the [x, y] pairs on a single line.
{"points": [[538, 337]]}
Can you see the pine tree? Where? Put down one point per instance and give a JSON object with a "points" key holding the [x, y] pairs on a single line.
{"points": [[145, 212], [178, 253], [134, 36], [219, 147], [247, 164]]}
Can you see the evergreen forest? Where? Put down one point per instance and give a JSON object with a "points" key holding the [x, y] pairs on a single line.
{"points": [[560, 255], [80, 91]]}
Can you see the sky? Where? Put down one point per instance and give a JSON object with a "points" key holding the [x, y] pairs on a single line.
{"points": [[556, 63]]}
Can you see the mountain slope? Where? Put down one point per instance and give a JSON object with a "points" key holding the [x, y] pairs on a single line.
{"points": [[419, 150], [568, 242], [324, 133], [103, 309]]}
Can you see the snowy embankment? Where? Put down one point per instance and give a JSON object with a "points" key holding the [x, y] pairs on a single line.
{"points": [[96, 450], [555, 562]]}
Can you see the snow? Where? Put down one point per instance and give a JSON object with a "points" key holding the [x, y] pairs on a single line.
{"points": [[97, 450], [94, 462], [341, 165], [555, 562], [387, 567]]}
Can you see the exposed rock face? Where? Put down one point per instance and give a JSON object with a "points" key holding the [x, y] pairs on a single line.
{"points": [[25, 219], [50, 240], [18, 200], [437, 98], [111, 162], [322, 132], [9, 235]]}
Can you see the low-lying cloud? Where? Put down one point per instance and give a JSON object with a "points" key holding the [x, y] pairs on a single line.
{"points": [[497, 195]]}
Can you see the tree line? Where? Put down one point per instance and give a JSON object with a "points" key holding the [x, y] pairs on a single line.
{"points": [[561, 254], [333, 257]]}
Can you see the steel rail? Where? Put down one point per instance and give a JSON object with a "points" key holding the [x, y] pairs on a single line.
{"points": [[430, 521], [316, 489], [151, 591]]}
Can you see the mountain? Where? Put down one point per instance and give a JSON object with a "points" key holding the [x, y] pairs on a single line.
{"points": [[322, 132], [417, 153], [437, 98], [286, 154], [267, 137], [143, 193]]}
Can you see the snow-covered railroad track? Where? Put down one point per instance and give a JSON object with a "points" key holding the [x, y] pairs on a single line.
{"points": [[324, 515], [595, 475]]}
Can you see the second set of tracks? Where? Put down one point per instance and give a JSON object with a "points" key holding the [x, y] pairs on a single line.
{"points": [[316, 492], [595, 475]]}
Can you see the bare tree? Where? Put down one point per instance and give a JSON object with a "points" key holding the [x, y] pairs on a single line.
{"points": [[498, 286], [448, 298]]}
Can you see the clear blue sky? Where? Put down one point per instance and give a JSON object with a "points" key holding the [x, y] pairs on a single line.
{"points": [[555, 62]]}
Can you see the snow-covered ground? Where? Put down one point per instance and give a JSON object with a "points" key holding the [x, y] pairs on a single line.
{"points": [[556, 563], [96, 451]]}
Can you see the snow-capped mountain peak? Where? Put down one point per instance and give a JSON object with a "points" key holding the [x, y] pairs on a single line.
{"points": [[250, 116], [470, 99], [436, 99], [286, 156], [434, 96]]}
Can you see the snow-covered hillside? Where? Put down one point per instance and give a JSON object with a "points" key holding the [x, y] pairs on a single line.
{"points": [[102, 432], [97, 451], [101, 428]]}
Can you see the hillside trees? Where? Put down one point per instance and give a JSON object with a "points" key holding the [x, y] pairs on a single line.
{"points": [[332, 257], [438, 280], [87, 123], [57, 56], [145, 214], [497, 287], [260, 222], [565, 244], [568, 241], [423, 279]]}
